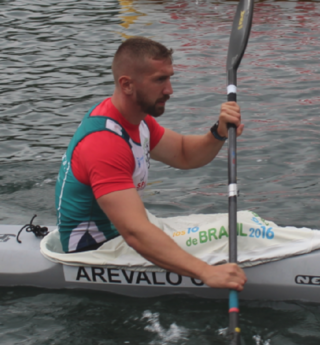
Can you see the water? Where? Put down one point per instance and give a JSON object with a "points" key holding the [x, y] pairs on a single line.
{"points": [[55, 64]]}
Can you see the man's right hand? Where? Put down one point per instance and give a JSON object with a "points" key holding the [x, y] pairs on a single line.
{"points": [[228, 276]]}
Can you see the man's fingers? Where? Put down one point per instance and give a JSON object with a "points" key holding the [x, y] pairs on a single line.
{"points": [[237, 277], [237, 287], [228, 276], [229, 113], [240, 130], [232, 106]]}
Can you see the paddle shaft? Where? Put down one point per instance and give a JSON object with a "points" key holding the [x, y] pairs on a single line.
{"points": [[232, 183], [234, 330], [237, 45]]}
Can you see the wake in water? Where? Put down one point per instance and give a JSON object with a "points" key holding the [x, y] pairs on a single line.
{"points": [[172, 335], [259, 341], [257, 338]]}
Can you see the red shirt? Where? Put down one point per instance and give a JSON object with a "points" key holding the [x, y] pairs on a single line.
{"points": [[103, 160]]}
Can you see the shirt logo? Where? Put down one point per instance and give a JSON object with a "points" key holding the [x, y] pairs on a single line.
{"points": [[140, 161], [146, 150], [114, 127]]}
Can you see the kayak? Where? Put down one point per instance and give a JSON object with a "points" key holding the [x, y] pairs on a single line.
{"points": [[22, 264]]}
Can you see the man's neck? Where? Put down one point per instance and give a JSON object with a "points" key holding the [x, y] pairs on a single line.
{"points": [[128, 109]]}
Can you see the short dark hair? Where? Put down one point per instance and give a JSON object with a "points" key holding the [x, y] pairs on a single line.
{"points": [[142, 47], [138, 49]]}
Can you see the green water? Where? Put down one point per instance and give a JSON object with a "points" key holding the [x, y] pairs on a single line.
{"points": [[55, 64]]}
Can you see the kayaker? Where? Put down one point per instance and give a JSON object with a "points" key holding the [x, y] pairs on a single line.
{"points": [[106, 165]]}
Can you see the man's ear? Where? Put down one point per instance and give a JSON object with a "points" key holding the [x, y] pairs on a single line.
{"points": [[126, 84]]}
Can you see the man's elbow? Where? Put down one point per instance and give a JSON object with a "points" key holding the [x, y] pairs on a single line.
{"points": [[131, 240], [135, 236]]}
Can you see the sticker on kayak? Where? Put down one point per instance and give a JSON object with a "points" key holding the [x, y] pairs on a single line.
{"points": [[103, 275], [307, 280], [6, 237]]}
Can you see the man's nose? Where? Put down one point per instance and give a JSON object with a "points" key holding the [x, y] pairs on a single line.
{"points": [[168, 89]]}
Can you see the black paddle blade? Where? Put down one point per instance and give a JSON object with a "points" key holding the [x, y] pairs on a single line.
{"points": [[239, 38]]}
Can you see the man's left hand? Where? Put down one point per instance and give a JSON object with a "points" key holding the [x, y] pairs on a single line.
{"points": [[229, 113]]}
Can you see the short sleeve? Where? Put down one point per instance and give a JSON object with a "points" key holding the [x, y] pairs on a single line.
{"points": [[156, 131], [104, 161]]}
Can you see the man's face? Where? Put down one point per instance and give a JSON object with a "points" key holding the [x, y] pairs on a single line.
{"points": [[154, 88]]}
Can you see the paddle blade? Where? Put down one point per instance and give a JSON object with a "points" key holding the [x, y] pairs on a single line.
{"points": [[239, 38]]}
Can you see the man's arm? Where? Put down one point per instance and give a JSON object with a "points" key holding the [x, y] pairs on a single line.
{"points": [[126, 211], [193, 151]]}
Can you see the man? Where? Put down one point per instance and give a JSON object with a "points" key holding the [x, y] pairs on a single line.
{"points": [[106, 165]]}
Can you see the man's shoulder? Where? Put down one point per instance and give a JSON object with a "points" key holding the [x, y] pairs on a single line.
{"points": [[151, 122], [104, 108], [154, 127]]}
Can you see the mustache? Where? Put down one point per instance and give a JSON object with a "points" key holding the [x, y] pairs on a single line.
{"points": [[164, 99]]}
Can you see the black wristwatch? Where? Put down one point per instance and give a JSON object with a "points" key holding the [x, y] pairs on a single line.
{"points": [[214, 131]]}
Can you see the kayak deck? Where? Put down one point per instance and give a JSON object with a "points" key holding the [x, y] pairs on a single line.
{"points": [[22, 264]]}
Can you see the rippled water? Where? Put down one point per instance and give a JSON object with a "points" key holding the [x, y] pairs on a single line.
{"points": [[55, 63]]}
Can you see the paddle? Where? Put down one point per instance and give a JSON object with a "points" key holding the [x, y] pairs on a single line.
{"points": [[237, 45]]}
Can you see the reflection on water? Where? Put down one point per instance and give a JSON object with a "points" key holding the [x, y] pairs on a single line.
{"points": [[34, 316], [56, 63], [130, 14]]}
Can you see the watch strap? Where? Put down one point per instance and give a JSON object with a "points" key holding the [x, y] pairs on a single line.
{"points": [[214, 131]]}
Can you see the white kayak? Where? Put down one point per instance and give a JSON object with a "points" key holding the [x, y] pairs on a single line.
{"points": [[22, 264]]}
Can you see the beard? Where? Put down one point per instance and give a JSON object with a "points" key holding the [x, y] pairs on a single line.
{"points": [[153, 109]]}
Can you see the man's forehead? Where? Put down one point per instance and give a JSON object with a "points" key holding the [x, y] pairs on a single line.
{"points": [[158, 66]]}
